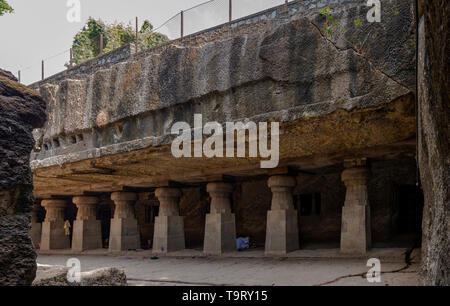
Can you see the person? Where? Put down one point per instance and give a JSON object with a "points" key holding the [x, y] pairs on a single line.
{"points": [[67, 228]]}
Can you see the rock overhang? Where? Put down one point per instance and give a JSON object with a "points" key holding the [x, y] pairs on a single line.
{"points": [[332, 94]]}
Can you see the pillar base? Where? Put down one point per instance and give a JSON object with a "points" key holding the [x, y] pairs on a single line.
{"points": [[53, 236], [355, 231], [169, 234], [87, 235], [36, 233], [220, 233], [282, 232], [124, 235]]}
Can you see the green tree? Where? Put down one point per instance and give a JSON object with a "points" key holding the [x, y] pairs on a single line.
{"points": [[86, 44], [5, 7]]}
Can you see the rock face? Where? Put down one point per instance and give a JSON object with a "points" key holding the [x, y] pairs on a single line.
{"points": [[57, 276], [434, 146], [333, 94], [21, 110]]}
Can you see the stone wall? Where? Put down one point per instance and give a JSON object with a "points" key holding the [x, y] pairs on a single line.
{"points": [[21, 110], [434, 146]]}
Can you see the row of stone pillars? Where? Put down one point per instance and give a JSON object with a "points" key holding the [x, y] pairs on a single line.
{"points": [[282, 234]]}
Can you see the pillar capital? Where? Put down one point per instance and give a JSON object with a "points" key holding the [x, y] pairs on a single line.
{"points": [[281, 186], [355, 176], [355, 162], [219, 187], [168, 200], [54, 209], [53, 203], [167, 192], [85, 200], [124, 196], [86, 207], [123, 202], [220, 197], [282, 181]]}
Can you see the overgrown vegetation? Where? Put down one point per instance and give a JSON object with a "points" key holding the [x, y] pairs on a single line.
{"points": [[5, 8], [331, 28], [86, 44]]}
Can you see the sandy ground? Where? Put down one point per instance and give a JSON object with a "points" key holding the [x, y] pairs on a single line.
{"points": [[250, 268]]}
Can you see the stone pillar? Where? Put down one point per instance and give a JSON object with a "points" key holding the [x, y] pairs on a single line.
{"points": [[220, 227], [282, 221], [53, 233], [169, 225], [124, 233], [87, 233], [355, 229], [36, 227]]}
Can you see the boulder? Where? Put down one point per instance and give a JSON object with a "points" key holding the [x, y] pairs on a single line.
{"points": [[21, 111], [57, 276]]}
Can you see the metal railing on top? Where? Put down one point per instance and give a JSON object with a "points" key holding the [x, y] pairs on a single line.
{"points": [[195, 19]]}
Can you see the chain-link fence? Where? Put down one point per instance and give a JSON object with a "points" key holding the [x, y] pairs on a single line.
{"points": [[198, 18], [211, 14], [242, 8], [48, 66], [206, 15]]}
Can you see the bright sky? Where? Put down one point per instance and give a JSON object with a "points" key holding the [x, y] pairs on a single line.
{"points": [[39, 29]]}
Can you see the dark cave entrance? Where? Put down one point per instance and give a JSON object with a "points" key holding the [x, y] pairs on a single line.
{"points": [[104, 214], [409, 205]]}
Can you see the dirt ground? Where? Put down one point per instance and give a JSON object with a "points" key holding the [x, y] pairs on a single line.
{"points": [[251, 268]]}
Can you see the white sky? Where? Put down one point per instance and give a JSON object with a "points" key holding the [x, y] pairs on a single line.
{"points": [[38, 29]]}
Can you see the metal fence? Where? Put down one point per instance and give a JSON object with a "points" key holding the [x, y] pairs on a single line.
{"points": [[198, 18]]}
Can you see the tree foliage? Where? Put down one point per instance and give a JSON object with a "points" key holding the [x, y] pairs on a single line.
{"points": [[5, 7], [86, 44]]}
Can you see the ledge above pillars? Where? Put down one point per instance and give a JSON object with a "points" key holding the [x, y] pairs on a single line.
{"points": [[282, 221], [169, 225], [53, 234]]}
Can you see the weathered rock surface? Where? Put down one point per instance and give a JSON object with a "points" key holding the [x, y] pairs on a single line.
{"points": [[21, 110], [434, 139], [57, 276], [334, 95]]}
